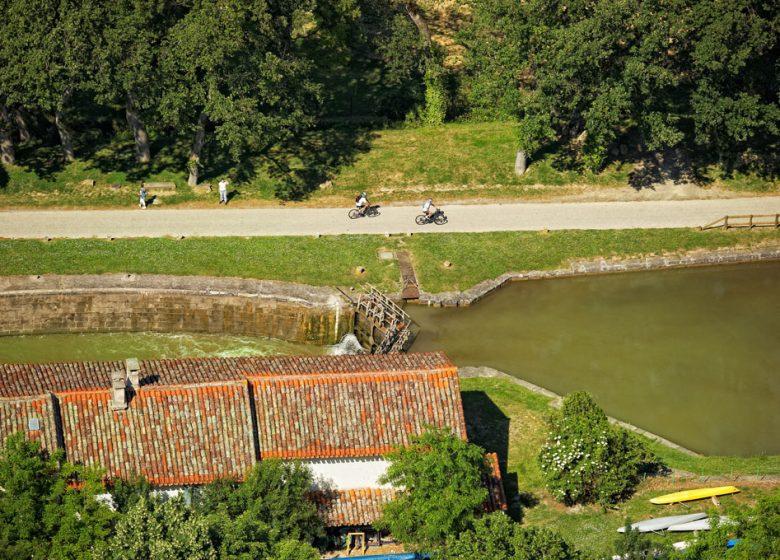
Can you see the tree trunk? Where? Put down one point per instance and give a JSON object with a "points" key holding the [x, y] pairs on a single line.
{"points": [[21, 126], [521, 162], [418, 20], [66, 138], [197, 146], [7, 155], [143, 153]]}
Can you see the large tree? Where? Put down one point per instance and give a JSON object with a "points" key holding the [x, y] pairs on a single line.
{"points": [[47, 506], [270, 512], [438, 477], [128, 61], [49, 57], [232, 66]]}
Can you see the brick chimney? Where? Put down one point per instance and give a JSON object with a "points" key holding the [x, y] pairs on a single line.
{"points": [[133, 368], [118, 390]]}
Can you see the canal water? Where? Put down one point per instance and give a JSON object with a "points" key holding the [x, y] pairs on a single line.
{"points": [[118, 346], [692, 355]]}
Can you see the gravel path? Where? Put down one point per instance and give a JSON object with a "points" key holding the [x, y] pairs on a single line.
{"points": [[225, 221]]}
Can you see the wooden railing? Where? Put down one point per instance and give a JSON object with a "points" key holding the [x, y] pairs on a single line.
{"points": [[749, 221]]}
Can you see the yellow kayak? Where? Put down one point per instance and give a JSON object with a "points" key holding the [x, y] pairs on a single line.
{"points": [[697, 494]]}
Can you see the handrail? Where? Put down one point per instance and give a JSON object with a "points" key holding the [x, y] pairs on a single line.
{"points": [[745, 221]]}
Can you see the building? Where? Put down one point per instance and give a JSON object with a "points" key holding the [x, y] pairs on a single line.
{"points": [[190, 421]]}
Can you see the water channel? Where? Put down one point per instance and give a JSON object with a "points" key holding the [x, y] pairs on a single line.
{"points": [[692, 355], [118, 346]]}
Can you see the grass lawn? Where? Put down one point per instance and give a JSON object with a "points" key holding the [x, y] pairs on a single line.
{"points": [[332, 260], [510, 420], [454, 161]]}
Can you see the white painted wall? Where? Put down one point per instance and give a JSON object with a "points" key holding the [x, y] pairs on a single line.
{"points": [[344, 474]]}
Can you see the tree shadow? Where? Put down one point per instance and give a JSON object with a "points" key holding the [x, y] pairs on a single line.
{"points": [[4, 178], [488, 427], [660, 167], [42, 159], [304, 163]]}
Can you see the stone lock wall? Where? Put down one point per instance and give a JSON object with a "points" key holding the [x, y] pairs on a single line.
{"points": [[126, 302]]}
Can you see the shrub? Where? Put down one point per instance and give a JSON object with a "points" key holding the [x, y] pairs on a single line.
{"points": [[587, 460]]}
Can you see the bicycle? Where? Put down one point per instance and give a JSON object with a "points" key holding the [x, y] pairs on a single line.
{"points": [[370, 212], [437, 218]]}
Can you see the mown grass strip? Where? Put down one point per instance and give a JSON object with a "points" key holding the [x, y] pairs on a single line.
{"points": [[333, 260]]}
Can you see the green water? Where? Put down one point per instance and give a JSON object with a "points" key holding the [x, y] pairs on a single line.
{"points": [[692, 355], [118, 346]]}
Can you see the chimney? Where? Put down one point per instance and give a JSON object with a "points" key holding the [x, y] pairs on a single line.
{"points": [[132, 367], [118, 393]]}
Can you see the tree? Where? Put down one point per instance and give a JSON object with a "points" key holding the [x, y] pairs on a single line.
{"points": [[263, 516], [757, 530], [585, 459], [48, 507], [233, 66], [497, 537], [633, 545], [49, 57], [129, 61], [439, 482], [160, 530]]}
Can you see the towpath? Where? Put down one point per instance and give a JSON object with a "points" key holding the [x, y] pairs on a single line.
{"points": [[224, 221]]}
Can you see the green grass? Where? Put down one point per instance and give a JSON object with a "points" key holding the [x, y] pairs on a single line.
{"points": [[332, 260], [451, 162], [510, 420]]}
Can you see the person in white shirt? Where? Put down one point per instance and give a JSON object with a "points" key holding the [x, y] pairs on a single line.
{"points": [[361, 203], [428, 208], [223, 184]]}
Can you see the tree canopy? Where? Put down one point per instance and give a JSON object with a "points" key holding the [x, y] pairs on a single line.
{"points": [[439, 481]]}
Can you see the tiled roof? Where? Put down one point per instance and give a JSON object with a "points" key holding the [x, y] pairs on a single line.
{"points": [[172, 436], [352, 415], [361, 506], [36, 379], [20, 415], [496, 498]]}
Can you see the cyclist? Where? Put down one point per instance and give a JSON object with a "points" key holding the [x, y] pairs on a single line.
{"points": [[429, 209], [361, 203]]}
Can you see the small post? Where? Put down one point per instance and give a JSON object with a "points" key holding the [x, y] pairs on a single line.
{"points": [[726, 222]]}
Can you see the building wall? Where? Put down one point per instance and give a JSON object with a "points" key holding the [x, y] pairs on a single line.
{"points": [[148, 303], [346, 474]]}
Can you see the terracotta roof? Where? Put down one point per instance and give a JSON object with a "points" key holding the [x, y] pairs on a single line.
{"points": [[21, 415], [495, 486], [172, 436], [36, 379], [362, 506], [352, 415]]}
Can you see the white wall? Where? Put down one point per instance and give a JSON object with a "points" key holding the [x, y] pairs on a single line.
{"points": [[344, 474]]}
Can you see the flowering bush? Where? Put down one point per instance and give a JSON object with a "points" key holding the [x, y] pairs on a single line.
{"points": [[587, 460]]}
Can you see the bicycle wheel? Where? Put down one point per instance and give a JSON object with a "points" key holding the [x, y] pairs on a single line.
{"points": [[421, 220], [440, 219], [354, 213]]}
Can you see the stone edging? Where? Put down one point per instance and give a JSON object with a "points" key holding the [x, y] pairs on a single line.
{"points": [[605, 266], [557, 400]]}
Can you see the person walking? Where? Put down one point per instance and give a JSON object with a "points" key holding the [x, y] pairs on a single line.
{"points": [[223, 185], [142, 197]]}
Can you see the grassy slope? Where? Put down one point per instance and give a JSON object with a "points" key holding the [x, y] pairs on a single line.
{"points": [[510, 420], [332, 260], [457, 160]]}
